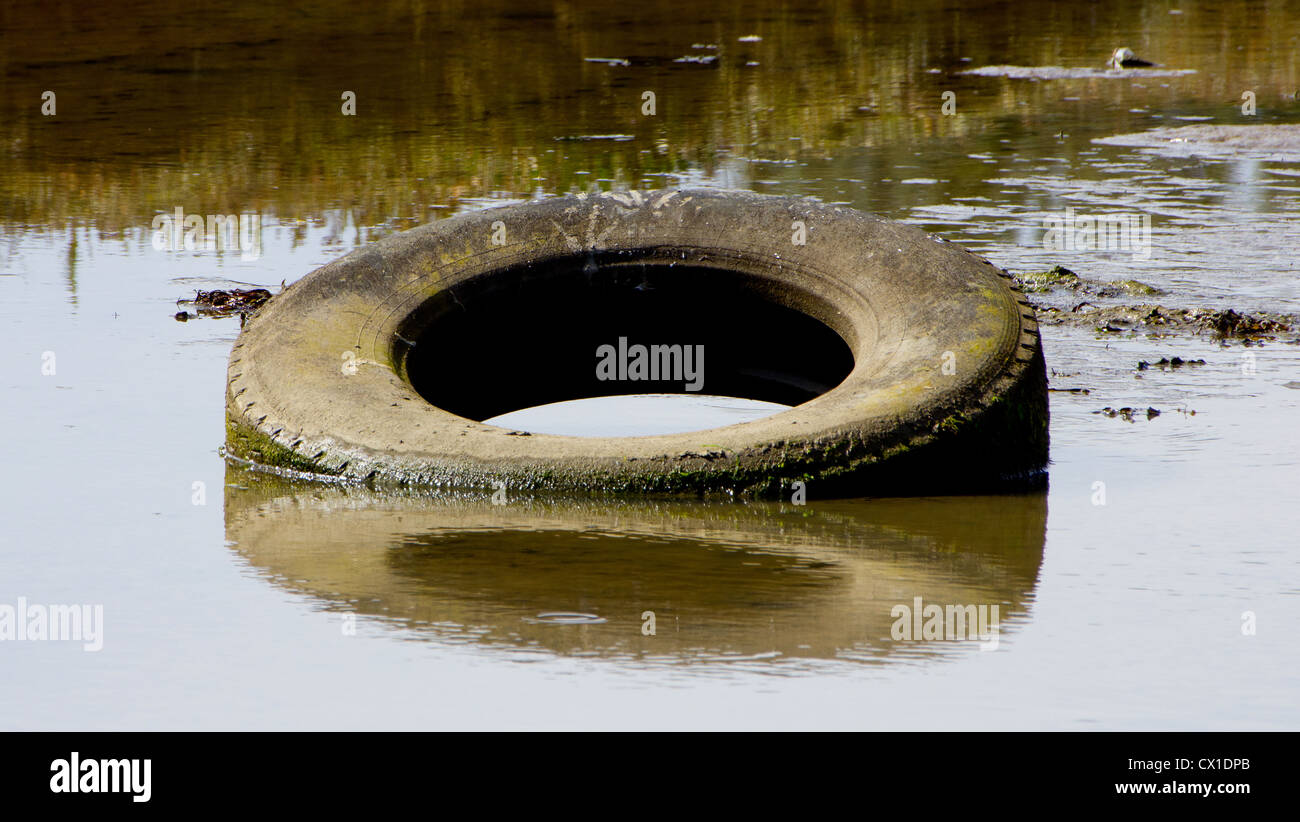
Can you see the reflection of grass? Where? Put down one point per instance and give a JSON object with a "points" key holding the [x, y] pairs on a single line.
{"points": [[240, 110]]}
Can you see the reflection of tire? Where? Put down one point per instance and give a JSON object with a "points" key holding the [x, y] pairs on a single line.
{"points": [[913, 365], [730, 579]]}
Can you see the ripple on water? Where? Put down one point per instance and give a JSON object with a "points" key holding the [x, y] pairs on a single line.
{"points": [[565, 618]]}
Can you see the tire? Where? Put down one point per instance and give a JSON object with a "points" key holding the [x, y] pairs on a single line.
{"points": [[914, 366]]}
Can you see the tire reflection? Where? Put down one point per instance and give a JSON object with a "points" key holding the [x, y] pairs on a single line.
{"points": [[714, 582]]}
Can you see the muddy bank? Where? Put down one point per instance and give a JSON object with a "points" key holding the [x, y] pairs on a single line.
{"points": [[1280, 143], [1062, 297], [1063, 73], [1157, 320]]}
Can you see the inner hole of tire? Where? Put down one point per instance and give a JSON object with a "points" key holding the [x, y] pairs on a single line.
{"points": [[517, 339]]}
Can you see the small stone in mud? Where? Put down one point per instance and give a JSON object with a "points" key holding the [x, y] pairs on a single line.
{"points": [[1135, 287], [182, 315], [1059, 277], [1117, 288], [1046, 280]]}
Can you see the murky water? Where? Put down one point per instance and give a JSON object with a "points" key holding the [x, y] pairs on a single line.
{"points": [[232, 599]]}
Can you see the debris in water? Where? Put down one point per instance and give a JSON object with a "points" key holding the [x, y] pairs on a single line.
{"points": [[1060, 277], [1124, 58], [1046, 280], [224, 303], [1168, 363], [1126, 413], [1231, 324], [1158, 321]]}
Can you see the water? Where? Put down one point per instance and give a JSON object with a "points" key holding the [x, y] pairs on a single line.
{"points": [[636, 415], [235, 600]]}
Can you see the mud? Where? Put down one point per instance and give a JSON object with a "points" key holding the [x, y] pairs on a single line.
{"points": [[1048, 288], [1280, 143]]}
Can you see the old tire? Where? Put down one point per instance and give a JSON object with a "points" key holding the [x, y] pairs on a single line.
{"points": [[915, 364]]}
